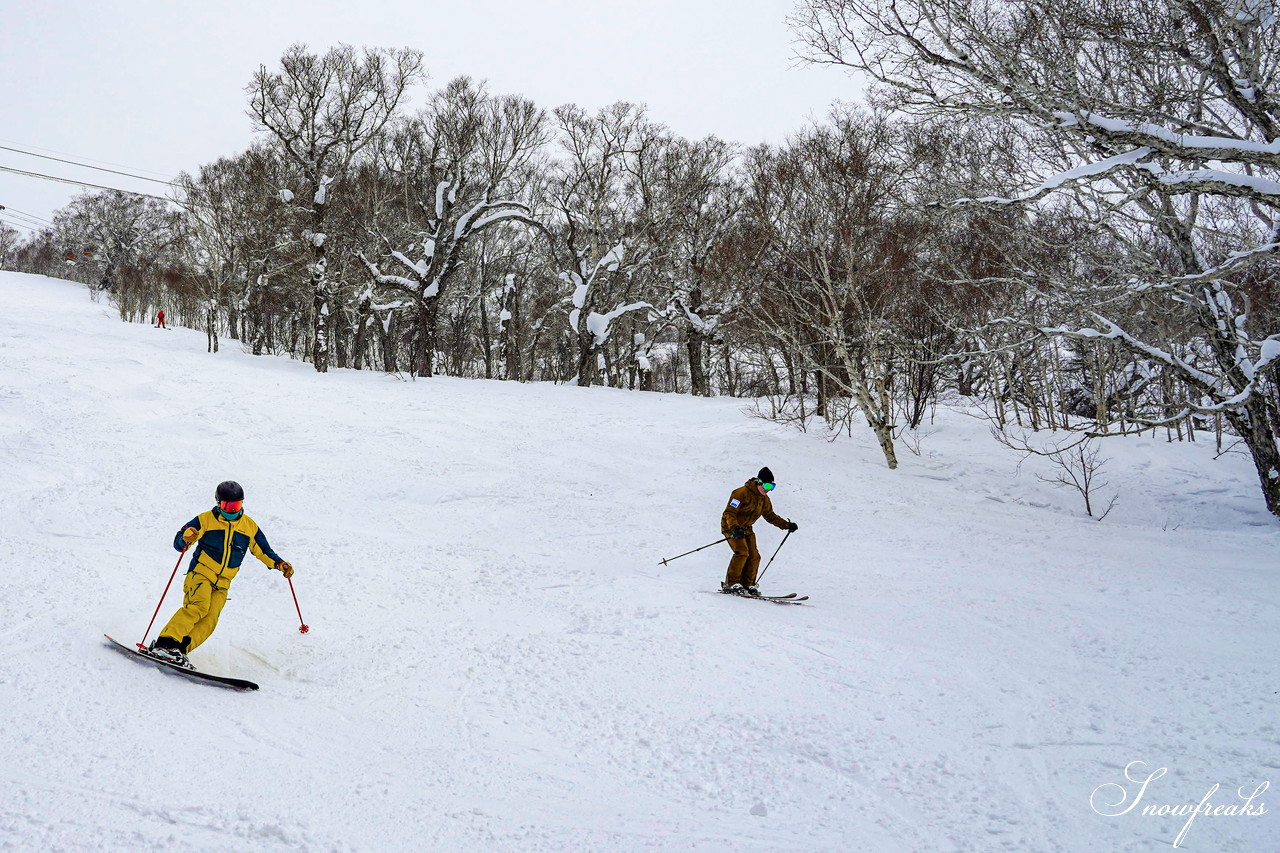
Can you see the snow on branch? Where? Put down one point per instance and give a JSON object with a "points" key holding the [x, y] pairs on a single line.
{"points": [[1180, 145], [419, 268], [1115, 333], [322, 191], [598, 324], [695, 320], [440, 198], [487, 213], [1082, 173], [1232, 261], [613, 258], [1223, 183], [1269, 353], [394, 280]]}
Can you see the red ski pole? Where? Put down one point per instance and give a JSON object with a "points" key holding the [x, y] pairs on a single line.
{"points": [[160, 603], [302, 626]]}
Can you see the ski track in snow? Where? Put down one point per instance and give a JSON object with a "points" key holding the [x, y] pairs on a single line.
{"points": [[497, 662]]}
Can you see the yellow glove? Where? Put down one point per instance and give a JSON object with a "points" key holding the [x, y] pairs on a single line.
{"points": [[190, 535], [285, 569]]}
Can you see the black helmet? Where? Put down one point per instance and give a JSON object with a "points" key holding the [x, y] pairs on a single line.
{"points": [[229, 490], [765, 475]]}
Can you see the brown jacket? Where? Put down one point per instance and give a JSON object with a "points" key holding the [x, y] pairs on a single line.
{"points": [[745, 506]]}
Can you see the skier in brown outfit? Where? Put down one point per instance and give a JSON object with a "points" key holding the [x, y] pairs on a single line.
{"points": [[745, 506]]}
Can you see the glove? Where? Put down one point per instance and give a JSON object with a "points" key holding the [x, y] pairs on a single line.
{"points": [[285, 569], [792, 527], [190, 535], [738, 533]]}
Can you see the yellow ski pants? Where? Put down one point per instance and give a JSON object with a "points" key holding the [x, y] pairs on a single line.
{"points": [[195, 620]]}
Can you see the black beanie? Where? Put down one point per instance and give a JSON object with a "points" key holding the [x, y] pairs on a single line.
{"points": [[765, 475]]}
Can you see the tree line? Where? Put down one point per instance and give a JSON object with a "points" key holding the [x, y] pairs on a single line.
{"points": [[1065, 213]]}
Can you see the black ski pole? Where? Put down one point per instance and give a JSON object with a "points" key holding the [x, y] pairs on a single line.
{"points": [[770, 563], [694, 551]]}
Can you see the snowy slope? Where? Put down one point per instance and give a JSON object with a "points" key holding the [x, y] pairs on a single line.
{"points": [[497, 663]]}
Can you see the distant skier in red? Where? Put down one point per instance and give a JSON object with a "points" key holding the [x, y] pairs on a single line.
{"points": [[160, 320]]}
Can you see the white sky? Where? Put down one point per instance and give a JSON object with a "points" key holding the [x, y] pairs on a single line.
{"points": [[158, 87]]}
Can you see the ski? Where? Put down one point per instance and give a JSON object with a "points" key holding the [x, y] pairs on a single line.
{"points": [[790, 598], [141, 655], [781, 599]]}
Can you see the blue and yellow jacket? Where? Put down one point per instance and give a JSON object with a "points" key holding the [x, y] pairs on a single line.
{"points": [[222, 545]]}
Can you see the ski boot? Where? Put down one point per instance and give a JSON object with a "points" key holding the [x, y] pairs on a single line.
{"points": [[169, 651], [732, 589], [753, 590]]}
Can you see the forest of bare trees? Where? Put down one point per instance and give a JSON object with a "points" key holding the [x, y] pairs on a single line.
{"points": [[1063, 215]]}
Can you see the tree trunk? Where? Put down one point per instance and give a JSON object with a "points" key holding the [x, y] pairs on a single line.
{"points": [[424, 340], [876, 409], [320, 325], [696, 346], [322, 322], [1255, 426], [211, 328], [510, 344], [587, 359], [730, 381], [486, 339], [387, 338], [364, 316]]}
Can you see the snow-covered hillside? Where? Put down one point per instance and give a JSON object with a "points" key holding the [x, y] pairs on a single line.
{"points": [[497, 662]]}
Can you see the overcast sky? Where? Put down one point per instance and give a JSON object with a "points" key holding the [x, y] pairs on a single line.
{"points": [[158, 87]]}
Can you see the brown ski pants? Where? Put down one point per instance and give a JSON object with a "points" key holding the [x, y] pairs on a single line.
{"points": [[745, 562]]}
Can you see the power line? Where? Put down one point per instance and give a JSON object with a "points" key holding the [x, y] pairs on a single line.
{"points": [[21, 217], [84, 165], [81, 183], [26, 145], [24, 214], [18, 224]]}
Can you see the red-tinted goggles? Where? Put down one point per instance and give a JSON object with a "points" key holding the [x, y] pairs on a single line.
{"points": [[230, 506]]}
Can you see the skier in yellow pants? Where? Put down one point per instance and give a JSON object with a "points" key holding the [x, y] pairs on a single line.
{"points": [[221, 536]]}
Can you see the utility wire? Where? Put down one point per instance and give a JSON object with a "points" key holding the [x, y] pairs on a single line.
{"points": [[81, 183], [24, 214], [24, 146], [84, 165], [15, 216], [18, 224]]}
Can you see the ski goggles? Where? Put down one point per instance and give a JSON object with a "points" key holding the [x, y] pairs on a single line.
{"points": [[230, 506], [768, 487]]}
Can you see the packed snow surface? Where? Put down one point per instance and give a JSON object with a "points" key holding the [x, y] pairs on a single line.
{"points": [[497, 662]]}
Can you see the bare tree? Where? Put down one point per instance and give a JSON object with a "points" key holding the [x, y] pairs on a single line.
{"points": [[1077, 463], [110, 232], [695, 201], [466, 161], [1158, 119], [10, 239], [836, 258], [599, 208], [322, 111], [235, 241]]}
